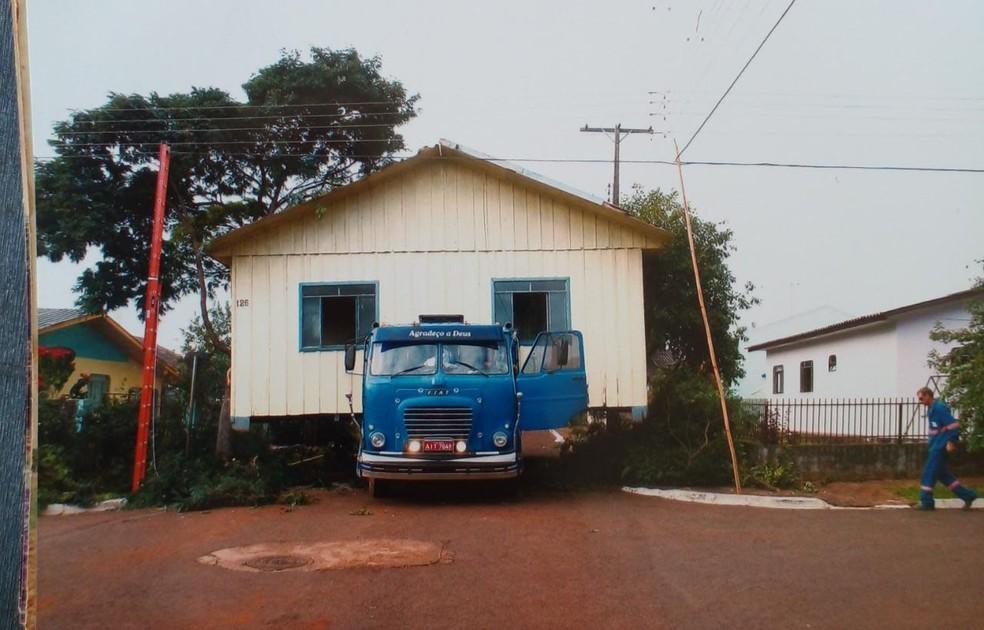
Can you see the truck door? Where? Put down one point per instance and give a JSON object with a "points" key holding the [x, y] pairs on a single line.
{"points": [[553, 381]]}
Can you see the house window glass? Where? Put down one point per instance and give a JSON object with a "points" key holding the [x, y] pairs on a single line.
{"points": [[532, 306], [806, 376], [333, 315], [832, 363], [777, 380]]}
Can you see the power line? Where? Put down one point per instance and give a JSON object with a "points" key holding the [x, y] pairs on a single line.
{"points": [[214, 142], [740, 72], [187, 107], [177, 132], [853, 167], [285, 116], [400, 157]]}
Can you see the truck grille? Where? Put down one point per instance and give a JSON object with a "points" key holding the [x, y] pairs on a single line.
{"points": [[438, 422]]}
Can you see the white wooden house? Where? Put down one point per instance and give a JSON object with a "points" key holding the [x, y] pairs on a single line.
{"points": [[879, 355], [446, 231]]}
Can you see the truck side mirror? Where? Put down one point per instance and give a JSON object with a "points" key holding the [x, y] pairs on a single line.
{"points": [[349, 358]]}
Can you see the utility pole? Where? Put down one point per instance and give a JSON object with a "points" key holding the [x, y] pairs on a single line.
{"points": [[618, 133], [151, 315]]}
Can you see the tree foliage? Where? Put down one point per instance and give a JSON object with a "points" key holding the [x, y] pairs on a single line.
{"points": [[305, 127], [673, 318], [681, 440], [963, 365]]}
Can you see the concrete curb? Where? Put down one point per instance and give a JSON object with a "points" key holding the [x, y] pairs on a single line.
{"points": [[63, 509], [779, 503]]}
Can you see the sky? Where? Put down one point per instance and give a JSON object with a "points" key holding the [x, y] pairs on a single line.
{"points": [[850, 82]]}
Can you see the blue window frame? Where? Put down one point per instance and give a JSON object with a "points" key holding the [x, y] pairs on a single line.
{"points": [[532, 305], [336, 313]]}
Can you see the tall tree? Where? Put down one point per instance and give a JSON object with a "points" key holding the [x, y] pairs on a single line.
{"points": [[673, 320], [306, 126], [963, 365]]}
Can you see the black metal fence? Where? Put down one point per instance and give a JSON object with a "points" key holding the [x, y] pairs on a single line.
{"points": [[839, 421]]}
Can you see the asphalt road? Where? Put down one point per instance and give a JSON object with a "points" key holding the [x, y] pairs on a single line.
{"points": [[585, 560]]}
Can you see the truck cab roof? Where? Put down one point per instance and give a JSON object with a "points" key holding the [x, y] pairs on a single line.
{"points": [[436, 333]]}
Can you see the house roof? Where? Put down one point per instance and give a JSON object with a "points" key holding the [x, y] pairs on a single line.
{"points": [[48, 317], [221, 246], [51, 319], [867, 320]]}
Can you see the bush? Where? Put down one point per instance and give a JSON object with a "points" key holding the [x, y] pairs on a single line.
{"points": [[681, 441], [56, 482], [198, 485], [774, 475]]}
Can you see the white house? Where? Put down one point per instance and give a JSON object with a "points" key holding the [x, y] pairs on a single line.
{"points": [[446, 231], [874, 356]]}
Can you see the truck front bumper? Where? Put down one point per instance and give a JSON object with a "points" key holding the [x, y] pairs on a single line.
{"points": [[400, 466]]}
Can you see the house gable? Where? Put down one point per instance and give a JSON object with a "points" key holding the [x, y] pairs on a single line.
{"points": [[86, 341], [442, 205]]}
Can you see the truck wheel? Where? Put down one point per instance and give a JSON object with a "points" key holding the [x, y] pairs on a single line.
{"points": [[377, 488]]}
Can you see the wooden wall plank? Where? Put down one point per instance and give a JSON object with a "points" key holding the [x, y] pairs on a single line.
{"points": [[507, 216], [533, 220], [493, 210], [292, 354], [577, 228], [562, 226], [310, 365], [465, 199], [520, 219], [242, 335], [547, 229], [259, 305]]}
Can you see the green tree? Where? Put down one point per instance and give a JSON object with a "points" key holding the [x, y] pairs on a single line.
{"points": [[963, 365], [305, 127], [673, 319], [211, 387], [682, 439]]}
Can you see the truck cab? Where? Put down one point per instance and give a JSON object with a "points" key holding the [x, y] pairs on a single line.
{"points": [[443, 399]]}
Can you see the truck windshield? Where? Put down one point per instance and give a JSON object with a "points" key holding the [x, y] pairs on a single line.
{"points": [[390, 359], [474, 358]]}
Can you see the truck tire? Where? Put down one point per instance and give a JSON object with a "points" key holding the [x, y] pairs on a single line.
{"points": [[378, 488]]}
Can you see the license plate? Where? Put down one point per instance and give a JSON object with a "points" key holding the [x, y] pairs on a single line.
{"points": [[438, 446]]}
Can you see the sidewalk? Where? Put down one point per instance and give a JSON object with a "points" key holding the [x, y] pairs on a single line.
{"points": [[880, 494]]}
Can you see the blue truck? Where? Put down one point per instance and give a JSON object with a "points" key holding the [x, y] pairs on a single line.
{"points": [[444, 399]]}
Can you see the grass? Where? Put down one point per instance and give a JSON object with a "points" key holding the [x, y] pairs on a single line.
{"points": [[910, 492]]}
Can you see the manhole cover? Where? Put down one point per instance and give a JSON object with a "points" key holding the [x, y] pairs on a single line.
{"points": [[277, 563], [377, 553]]}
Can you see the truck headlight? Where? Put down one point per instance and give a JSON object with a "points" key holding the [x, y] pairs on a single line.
{"points": [[377, 439], [500, 439], [413, 446], [460, 446]]}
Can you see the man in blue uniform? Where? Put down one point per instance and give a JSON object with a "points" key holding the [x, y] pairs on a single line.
{"points": [[944, 431]]}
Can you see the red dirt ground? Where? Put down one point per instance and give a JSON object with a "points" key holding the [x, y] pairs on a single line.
{"points": [[604, 559]]}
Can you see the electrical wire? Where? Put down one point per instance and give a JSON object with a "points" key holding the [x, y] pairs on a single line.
{"points": [[289, 116], [398, 158], [123, 145], [210, 107], [740, 72]]}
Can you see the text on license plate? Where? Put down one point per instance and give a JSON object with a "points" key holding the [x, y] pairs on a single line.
{"points": [[438, 446]]}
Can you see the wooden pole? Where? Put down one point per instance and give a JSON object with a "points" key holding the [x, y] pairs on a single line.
{"points": [[707, 326], [18, 328], [151, 315]]}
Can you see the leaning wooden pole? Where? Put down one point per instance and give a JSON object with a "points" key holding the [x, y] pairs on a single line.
{"points": [[707, 326], [151, 315]]}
